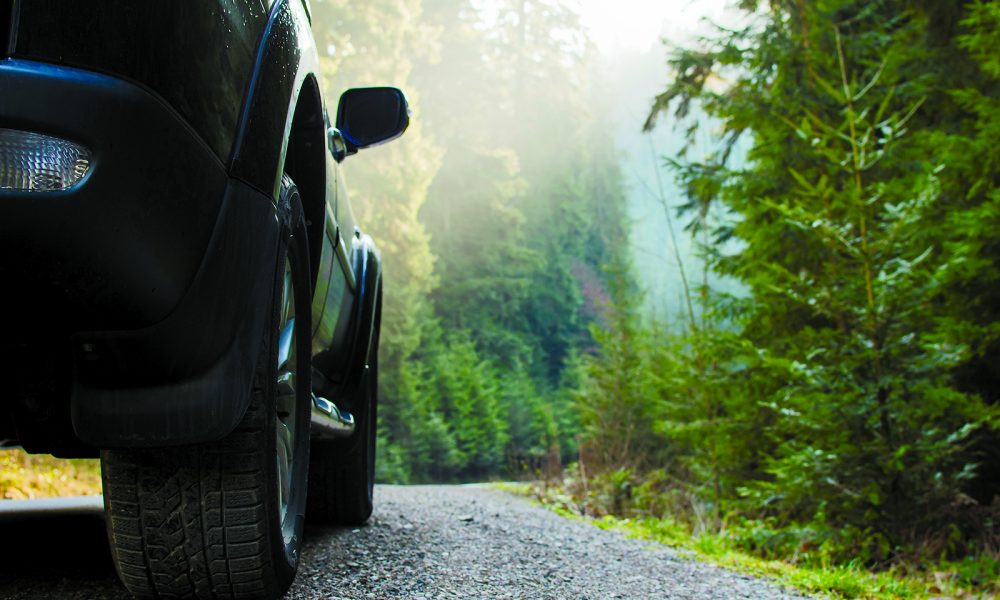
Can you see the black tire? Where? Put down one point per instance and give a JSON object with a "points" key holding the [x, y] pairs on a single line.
{"points": [[342, 472], [223, 519]]}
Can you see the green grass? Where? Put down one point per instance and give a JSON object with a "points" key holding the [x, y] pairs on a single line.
{"points": [[514, 487], [25, 476], [845, 581], [947, 580]]}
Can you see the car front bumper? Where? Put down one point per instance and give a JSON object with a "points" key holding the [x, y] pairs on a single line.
{"points": [[153, 274]]}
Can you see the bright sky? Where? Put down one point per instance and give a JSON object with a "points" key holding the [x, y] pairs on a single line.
{"points": [[617, 25], [629, 34]]}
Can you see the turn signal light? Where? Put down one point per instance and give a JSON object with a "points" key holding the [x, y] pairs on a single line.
{"points": [[32, 162]]}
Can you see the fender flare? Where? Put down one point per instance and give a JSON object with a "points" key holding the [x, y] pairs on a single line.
{"points": [[286, 58], [366, 313]]}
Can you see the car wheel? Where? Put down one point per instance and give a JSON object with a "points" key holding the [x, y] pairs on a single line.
{"points": [[224, 519], [342, 472]]}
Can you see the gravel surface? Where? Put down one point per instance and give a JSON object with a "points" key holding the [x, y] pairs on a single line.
{"points": [[423, 542], [477, 542]]}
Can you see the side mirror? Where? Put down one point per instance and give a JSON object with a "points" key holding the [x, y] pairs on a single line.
{"points": [[368, 117]]}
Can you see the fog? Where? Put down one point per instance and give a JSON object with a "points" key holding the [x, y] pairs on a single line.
{"points": [[520, 215], [528, 102]]}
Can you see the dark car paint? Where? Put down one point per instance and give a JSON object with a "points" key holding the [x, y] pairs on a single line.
{"points": [[286, 57], [350, 358], [259, 157], [156, 382], [120, 250], [360, 109], [197, 55], [143, 283], [181, 402], [6, 9]]}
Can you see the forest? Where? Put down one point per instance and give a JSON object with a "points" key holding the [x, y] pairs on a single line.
{"points": [[835, 402]]}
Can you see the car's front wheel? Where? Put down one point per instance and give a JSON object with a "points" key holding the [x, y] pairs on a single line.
{"points": [[342, 480], [224, 519]]}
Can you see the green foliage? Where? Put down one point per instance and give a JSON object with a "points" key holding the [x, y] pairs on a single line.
{"points": [[469, 390], [840, 411], [843, 410], [733, 549], [800, 556], [494, 233], [375, 44], [24, 476], [614, 397]]}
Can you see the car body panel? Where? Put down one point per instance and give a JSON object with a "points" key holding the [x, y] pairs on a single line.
{"points": [[120, 249], [285, 58], [197, 54], [197, 164]]}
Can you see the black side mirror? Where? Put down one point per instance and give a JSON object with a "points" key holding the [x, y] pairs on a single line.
{"points": [[368, 117]]}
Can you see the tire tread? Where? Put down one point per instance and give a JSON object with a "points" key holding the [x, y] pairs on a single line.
{"points": [[185, 523], [199, 521]]}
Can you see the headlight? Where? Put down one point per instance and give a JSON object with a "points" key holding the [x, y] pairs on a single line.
{"points": [[32, 162]]}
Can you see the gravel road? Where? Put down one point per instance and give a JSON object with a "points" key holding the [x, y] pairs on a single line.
{"points": [[423, 542], [477, 542]]}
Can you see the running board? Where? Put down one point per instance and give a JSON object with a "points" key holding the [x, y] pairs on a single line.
{"points": [[328, 421]]}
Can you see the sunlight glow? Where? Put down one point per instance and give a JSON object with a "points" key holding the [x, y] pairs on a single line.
{"points": [[623, 25]]}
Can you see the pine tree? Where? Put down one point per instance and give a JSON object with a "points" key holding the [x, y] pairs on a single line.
{"points": [[850, 224]]}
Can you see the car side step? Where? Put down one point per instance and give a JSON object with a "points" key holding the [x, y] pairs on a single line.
{"points": [[328, 421]]}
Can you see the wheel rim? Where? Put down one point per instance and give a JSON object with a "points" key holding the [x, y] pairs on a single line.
{"points": [[286, 396]]}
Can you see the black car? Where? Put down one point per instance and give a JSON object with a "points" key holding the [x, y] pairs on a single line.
{"points": [[186, 292]]}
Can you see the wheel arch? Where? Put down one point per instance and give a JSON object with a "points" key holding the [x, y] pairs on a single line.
{"points": [[207, 403], [305, 163], [368, 273], [283, 82]]}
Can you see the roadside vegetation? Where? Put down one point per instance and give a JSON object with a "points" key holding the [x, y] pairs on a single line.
{"points": [[24, 476], [737, 546], [839, 413]]}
